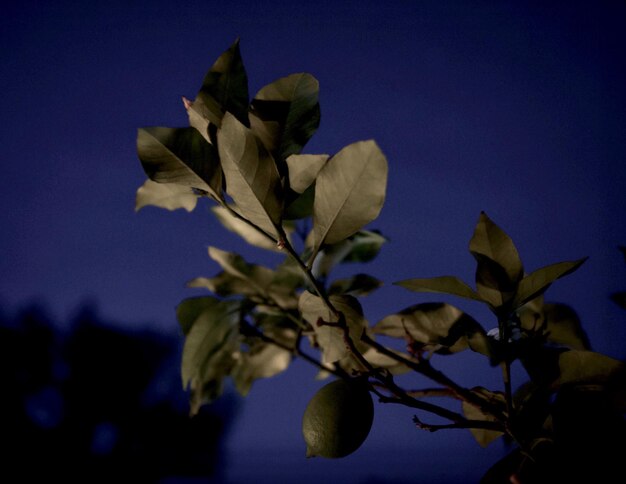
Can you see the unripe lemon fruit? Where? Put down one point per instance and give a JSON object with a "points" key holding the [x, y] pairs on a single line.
{"points": [[338, 419]]}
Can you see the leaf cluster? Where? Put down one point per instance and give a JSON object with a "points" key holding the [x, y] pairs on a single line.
{"points": [[246, 155]]}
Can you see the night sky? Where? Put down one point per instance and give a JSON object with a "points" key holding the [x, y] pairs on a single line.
{"points": [[514, 108]]}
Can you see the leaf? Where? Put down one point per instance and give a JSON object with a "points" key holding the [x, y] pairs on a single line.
{"points": [[286, 113], [213, 330], [491, 242], [331, 339], [443, 284], [349, 193], [189, 309], [245, 231], [381, 360], [224, 89], [262, 361], [181, 156], [537, 282], [252, 178], [257, 277], [256, 282], [165, 195], [483, 436], [357, 285], [303, 170], [439, 327], [299, 206], [360, 247], [499, 267], [588, 367], [559, 322]]}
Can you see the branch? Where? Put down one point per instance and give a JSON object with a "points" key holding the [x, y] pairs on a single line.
{"points": [[467, 424], [284, 242], [425, 368]]}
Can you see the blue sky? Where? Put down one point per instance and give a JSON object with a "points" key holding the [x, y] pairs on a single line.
{"points": [[514, 108]]}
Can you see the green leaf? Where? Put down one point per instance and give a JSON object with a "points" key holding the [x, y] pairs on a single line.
{"points": [[381, 360], [357, 285], [443, 285], [252, 178], [256, 282], [499, 268], [349, 192], [189, 309], [330, 338], [361, 247], [483, 436], [181, 156], [244, 230], [537, 282], [224, 89], [213, 332], [286, 113], [299, 206], [587, 367], [439, 327], [559, 322], [491, 242], [303, 170], [165, 195], [264, 360]]}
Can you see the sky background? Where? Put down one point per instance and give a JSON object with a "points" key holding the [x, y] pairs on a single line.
{"points": [[514, 108]]}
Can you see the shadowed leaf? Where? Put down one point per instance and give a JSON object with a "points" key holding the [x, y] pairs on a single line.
{"points": [[181, 156], [331, 339], [357, 285], [214, 330], [483, 436], [491, 242], [499, 267], [439, 327], [252, 178], [286, 113], [537, 282], [264, 360], [189, 309], [588, 367], [303, 170], [559, 322], [363, 246], [224, 89], [443, 285], [381, 360], [165, 195]]}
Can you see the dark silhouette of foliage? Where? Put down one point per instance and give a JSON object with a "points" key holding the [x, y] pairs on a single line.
{"points": [[96, 403]]}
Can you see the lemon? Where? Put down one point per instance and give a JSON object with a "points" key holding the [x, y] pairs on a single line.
{"points": [[338, 419]]}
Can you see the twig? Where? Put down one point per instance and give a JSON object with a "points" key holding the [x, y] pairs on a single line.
{"points": [[425, 368], [466, 424]]}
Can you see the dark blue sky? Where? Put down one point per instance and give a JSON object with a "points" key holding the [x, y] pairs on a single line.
{"points": [[515, 108]]}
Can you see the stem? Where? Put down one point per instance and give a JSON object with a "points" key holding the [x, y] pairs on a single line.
{"points": [[467, 424], [425, 368], [307, 272], [506, 365], [245, 220]]}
